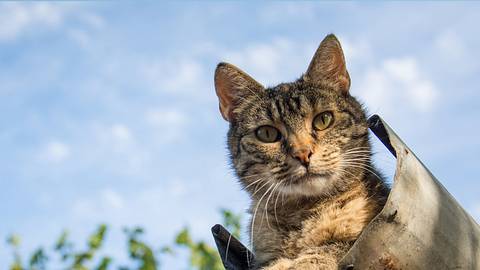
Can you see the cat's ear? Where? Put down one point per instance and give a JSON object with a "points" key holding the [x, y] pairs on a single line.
{"points": [[232, 86], [328, 64]]}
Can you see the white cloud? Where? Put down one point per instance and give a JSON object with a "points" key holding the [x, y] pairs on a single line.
{"points": [[373, 88], [121, 133], [263, 57], [20, 19], [89, 23], [123, 208], [272, 62], [279, 11], [91, 19], [99, 148], [397, 83], [168, 117], [56, 151], [268, 62], [16, 18], [384, 84], [402, 69], [454, 53], [168, 124], [283, 59], [358, 50], [111, 199], [450, 45], [182, 76], [406, 72], [106, 203], [113, 139], [81, 37]]}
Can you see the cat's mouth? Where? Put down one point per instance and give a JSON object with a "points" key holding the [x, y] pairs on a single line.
{"points": [[310, 177]]}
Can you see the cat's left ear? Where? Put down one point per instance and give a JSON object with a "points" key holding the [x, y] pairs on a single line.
{"points": [[328, 65]]}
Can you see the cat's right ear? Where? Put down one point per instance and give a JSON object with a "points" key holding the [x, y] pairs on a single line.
{"points": [[232, 86]]}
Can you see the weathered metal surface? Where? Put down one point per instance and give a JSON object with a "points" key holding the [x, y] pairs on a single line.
{"points": [[421, 226]]}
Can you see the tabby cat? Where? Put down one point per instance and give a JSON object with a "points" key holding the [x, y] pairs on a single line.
{"points": [[301, 150]]}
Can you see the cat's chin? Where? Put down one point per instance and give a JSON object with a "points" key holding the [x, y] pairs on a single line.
{"points": [[309, 185]]}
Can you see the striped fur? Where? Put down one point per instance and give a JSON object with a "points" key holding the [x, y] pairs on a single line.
{"points": [[304, 216]]}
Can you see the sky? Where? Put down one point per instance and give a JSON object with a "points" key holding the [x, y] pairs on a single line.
{"points": [[108, 110]]}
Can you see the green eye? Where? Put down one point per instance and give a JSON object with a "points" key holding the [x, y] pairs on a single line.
{"points": [[323, 120], [267, 134]]}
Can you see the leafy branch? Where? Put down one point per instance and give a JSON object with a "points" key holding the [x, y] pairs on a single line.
{"points": [[141, 255]]}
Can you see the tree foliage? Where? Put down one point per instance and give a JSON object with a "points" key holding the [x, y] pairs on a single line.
{"points": [[142, 256]]}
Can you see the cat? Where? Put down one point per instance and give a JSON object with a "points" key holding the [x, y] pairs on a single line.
{"points": [[301, 150]]}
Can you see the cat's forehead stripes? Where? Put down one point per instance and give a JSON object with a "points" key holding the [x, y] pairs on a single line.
{"points": [[289, 104], [287, 107]]}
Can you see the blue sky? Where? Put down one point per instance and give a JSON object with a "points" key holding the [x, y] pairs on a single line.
{"points": [[108, 111]]}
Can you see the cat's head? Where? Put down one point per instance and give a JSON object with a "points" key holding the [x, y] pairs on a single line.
{"points": [[302, 138]]}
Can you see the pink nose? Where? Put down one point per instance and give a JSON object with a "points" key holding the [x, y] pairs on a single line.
{"points": [[303, 155]]}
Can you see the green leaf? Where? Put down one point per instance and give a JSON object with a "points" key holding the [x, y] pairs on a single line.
{"points": [[96, 239], [140, 251], [183, 238], [38, 260], [13, 240], [104, 263], [202, 256], [62, 241], [166, 250], [16, 266]]}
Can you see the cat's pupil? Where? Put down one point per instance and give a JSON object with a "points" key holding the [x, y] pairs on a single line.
{"points": [[267, 134]]}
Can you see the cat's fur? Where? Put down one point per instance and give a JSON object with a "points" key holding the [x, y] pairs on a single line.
{"points": [[313, 191]]}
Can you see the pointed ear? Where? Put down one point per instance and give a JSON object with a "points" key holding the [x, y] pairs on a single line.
{"points": [[232, 86], [328, 64]]}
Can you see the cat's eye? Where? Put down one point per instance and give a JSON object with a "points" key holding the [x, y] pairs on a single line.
{"points": [[323, 120], [267, 134]]}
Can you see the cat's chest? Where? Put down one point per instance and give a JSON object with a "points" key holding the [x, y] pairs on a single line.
{"points": [[330, 222], [298, 228]]}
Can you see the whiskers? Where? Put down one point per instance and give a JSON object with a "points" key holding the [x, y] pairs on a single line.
{"points": [[358, 158], [268, 194], [256, 182], [266, 205], [252, 226]]}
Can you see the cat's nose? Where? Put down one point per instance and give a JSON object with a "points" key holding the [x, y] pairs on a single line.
{"points": [[303, 155]]}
